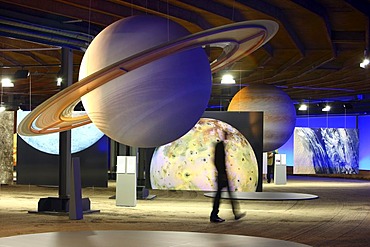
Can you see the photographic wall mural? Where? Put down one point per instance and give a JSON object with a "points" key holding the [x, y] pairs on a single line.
{"points": [[6, 147], [326, 151]]}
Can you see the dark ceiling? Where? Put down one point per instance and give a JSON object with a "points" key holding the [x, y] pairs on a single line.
{"points": [[314, 57]]}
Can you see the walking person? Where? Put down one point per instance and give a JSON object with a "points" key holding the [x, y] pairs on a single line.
{"points": [[223, 182], [270, 164]]}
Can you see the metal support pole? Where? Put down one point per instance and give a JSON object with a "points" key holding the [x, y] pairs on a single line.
{"points": [[65, 156]]}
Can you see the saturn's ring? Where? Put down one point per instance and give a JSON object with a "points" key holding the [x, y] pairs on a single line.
{"points": [[237, 40]]}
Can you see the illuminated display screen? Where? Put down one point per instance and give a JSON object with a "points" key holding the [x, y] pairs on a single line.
{"points": [[326, 151]]}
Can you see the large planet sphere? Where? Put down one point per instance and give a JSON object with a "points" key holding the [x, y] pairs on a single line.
{"points": [[155, 103], [188, 163], [279, 112], [81, 138]]}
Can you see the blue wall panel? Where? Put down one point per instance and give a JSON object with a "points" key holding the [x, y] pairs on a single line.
{"points": [[364, 136], [288, 149], [327, 122], [335, 122]]}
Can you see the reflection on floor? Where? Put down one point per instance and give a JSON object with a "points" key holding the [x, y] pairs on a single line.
{"points": [[264, 196], [139, 239]]}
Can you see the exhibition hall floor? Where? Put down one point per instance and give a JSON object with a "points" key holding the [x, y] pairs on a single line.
{"points": [[339, 217]]}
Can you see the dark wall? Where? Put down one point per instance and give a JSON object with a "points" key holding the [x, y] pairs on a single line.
{"points": [[39, 168]]}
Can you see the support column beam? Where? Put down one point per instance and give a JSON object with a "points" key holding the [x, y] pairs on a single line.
{"points": [[65, 156]]}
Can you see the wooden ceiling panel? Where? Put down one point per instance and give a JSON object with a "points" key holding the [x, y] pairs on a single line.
{"points": [[315, 54]]}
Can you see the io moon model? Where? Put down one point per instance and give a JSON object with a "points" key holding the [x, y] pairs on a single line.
{"points": [[188, 163]]}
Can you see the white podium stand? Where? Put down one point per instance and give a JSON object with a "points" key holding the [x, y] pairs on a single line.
{"points": [[264, 163], [126, 181], [280, 169]]}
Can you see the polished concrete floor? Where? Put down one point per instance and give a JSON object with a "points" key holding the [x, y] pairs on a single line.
{"points": [[115, 238], [339, 217]]}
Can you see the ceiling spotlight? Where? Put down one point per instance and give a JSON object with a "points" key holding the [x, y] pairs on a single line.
{"points": [[366, 60], [326, 108], [365, 63], [59, 81], [303, 107], [227, 79], [6, 82]]}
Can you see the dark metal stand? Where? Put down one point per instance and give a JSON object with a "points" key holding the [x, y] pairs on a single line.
{"points": [[63, 203]]}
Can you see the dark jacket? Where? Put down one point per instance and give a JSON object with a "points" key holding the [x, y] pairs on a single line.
{"points": [[220, 163]]}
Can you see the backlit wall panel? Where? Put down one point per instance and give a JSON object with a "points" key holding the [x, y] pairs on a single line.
{"points": [[326, 151], [321, 122], [6, 147]]}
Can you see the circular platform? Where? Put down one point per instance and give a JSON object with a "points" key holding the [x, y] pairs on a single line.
{"points": [[264, 196], [139, 238]]}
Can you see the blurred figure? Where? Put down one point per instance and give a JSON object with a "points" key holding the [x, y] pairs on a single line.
{"points": [[222, 182], [270, 164]]}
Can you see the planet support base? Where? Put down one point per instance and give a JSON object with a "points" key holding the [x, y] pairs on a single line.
{"points": [[57, 205]]}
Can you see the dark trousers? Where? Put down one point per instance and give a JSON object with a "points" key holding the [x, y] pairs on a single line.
{"points": [[270, 172], [216, 201]]}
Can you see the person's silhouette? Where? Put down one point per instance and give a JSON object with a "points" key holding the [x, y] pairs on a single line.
{"points": [[270, 165], [222, 182]]}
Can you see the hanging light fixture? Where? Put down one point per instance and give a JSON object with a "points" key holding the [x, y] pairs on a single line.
{"points": [[303, 107], [227, 79], [365, 63], [366, 60], [59, 81], [326, 108], [6, 82]]}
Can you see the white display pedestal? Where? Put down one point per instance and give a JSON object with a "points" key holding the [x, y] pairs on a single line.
{"points": [[264, 163], [280, 169], [126, 181]]}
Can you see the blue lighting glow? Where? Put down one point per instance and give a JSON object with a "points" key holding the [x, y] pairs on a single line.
{"points": [[360, 122], [364, 136], [287, 149]]}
